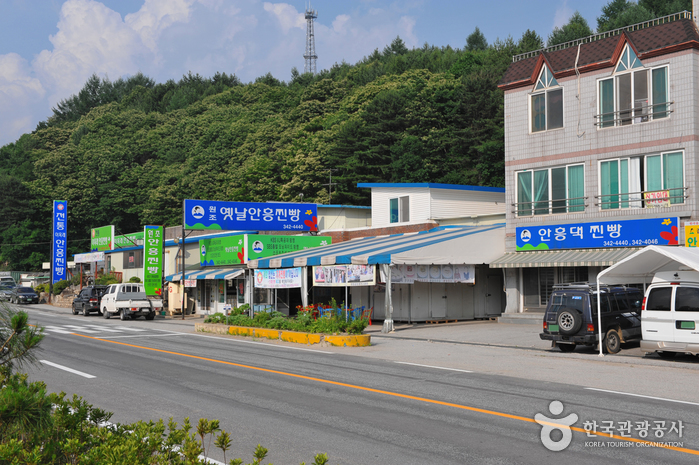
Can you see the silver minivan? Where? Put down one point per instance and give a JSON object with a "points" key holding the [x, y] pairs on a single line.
{"points": [[670, 314]]}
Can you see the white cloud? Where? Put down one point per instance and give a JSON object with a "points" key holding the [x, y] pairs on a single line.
{"points": [[19, 93], [157, 15], [287, 15], [562, 15]]}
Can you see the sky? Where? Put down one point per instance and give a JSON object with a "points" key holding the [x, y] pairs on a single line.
{"points": [[49, 48]]}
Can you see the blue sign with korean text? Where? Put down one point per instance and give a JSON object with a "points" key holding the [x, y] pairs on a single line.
{"points": [[59, 241], [600, 234], [232, 216]]}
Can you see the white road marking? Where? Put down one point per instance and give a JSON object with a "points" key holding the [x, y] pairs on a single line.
{"points": [[82, 329], [102, 328], [61, 367], [56, 329], [129, 328], [260, 343], [645, 397], [432, 366], [143, 335]]}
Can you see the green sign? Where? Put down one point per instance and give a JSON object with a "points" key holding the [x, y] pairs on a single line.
{"points": [[222, 251], [153, 260], [128, 240], [102, 239], [236, 250]]}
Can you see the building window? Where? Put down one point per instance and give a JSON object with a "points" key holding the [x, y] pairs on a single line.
{"points": [[133, 259], [546, 103], [551, 190], [634, 94], [538, 282], [625, 182], [399, 209]]}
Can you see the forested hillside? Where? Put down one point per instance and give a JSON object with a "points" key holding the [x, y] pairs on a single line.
{"points": [[128, 152]]}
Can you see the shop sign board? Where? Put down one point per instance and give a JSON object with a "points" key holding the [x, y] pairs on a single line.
{"points": [[102, 239], [231, 216], [128, 240], [657, 199], [691, 233], [59, 241], [600, 234], [433, 274], [89, 257], [344, 275], [153, 260], [239, 249], [282, 278], [190, 283]]}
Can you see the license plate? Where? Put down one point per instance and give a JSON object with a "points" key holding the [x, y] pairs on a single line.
{"points": [[553, 328]]}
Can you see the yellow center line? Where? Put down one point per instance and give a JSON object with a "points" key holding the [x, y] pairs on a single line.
{"points": [[397, 394]]}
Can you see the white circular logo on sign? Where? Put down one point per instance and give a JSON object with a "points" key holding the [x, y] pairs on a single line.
{"points": [[198, 212], [525, 236], [257, 247], [203, 250]]}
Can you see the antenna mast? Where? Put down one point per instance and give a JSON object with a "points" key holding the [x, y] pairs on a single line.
{"points": [[310, 55]]}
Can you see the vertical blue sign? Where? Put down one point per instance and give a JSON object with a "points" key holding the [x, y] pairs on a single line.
{"points": [[59, 241]]}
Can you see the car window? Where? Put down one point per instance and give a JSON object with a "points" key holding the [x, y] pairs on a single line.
{"points": [[604, 304], [85, 293], [25, 289], [659, 299], [687, 299], [635, 299], [622, 302], [575, 301]]}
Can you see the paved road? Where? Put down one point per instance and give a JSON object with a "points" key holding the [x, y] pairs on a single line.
{"points": [[401, 401]]}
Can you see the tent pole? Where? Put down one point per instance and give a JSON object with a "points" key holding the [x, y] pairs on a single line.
{"points": [[388, 322], [599, 316]]}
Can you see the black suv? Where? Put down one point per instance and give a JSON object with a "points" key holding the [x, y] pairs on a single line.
{"points": [[88, 300], [571, 316]]}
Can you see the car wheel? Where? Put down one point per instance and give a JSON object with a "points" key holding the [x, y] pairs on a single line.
{"points": [[150, 316], [122, 315], [566, 347], [667, 355], [105, 313], [569, 321], [75, 312], [612, 341], [86, 312]]}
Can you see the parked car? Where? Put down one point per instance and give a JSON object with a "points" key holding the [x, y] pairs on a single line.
{"points": [[7, 280], [24, 295], [128, 301], [571, 316], [6, 290], [88, 300], [670, 314]]}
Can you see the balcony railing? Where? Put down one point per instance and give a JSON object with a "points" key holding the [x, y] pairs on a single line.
{"points": [[664, 198], [548, 207], [640, 113]]}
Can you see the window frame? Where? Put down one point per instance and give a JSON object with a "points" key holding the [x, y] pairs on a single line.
{"points": [[651, 116], [545, 92], [550, 200], [400, 208]]}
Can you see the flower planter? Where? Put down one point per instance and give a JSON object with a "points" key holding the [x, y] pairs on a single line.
{"points": [[349, 340]]}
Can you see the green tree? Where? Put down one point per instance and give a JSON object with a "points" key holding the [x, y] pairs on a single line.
{"points": [[618, 14], [665, 7], [530, 41], [575, 28], [397, 47], [18, 341], [476, 41]]}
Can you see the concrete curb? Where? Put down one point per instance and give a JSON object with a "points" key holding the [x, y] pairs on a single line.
{"points": [[354, 340]]}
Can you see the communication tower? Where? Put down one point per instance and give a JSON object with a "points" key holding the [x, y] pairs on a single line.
{"points": [[310, 55]]}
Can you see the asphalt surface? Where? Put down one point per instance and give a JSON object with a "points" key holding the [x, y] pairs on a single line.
{"points": [[442, 394]]}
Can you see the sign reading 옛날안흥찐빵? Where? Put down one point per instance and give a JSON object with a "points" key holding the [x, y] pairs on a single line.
{"points": [[231, 216], [600, 234], [278, 279], [235, 250], [102, 239], [153, 260]]}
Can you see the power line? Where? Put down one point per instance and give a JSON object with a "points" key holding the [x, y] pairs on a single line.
{"points": [[44, 243]]}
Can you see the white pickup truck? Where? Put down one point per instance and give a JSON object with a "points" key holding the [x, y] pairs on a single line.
{"points": [[129, 301]]}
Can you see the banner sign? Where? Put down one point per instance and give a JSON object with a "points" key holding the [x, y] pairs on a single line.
{"points": [[230, 216], [232, 250], [190, 283], [128, 240], [691, 233], [433, 274], [89, 257], [153, 260], [278, 279], [600, 234], [102, 239], [657, 199], [59, 241], [344, 275]]}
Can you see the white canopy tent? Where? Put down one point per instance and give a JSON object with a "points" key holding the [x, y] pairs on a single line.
{"points": [[642, 266]]}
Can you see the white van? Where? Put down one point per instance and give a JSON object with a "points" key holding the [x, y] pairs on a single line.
{"points": [[670, 314], [8, 280]]}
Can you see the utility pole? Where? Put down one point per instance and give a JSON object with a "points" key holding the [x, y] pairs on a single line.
{"points": [[330, 184]]}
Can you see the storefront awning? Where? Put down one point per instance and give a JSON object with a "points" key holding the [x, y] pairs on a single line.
{"points": [[472, 245], [207, 273], [575, 257]]}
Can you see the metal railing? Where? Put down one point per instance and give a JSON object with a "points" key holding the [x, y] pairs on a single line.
{"points": [[635, 115], [548, 207], [603, 35], [676, 196]]}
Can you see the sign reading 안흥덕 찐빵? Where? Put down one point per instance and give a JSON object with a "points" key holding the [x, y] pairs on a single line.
{"points": [[153, 260], [231, 216], [600, 234], [59, 240]]}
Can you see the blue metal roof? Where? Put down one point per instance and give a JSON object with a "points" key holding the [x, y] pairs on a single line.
{"points": [[371, 250], [207, 273], [432, 185]]}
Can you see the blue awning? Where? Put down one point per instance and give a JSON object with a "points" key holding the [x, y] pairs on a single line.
{"points": [[207, 273], [444, 245]]}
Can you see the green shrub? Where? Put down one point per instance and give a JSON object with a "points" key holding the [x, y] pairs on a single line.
{"points": [[107, 279], [357, 326], [243, 309], [59, 286], [41, 288], [215, 318], [135, 279]]}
